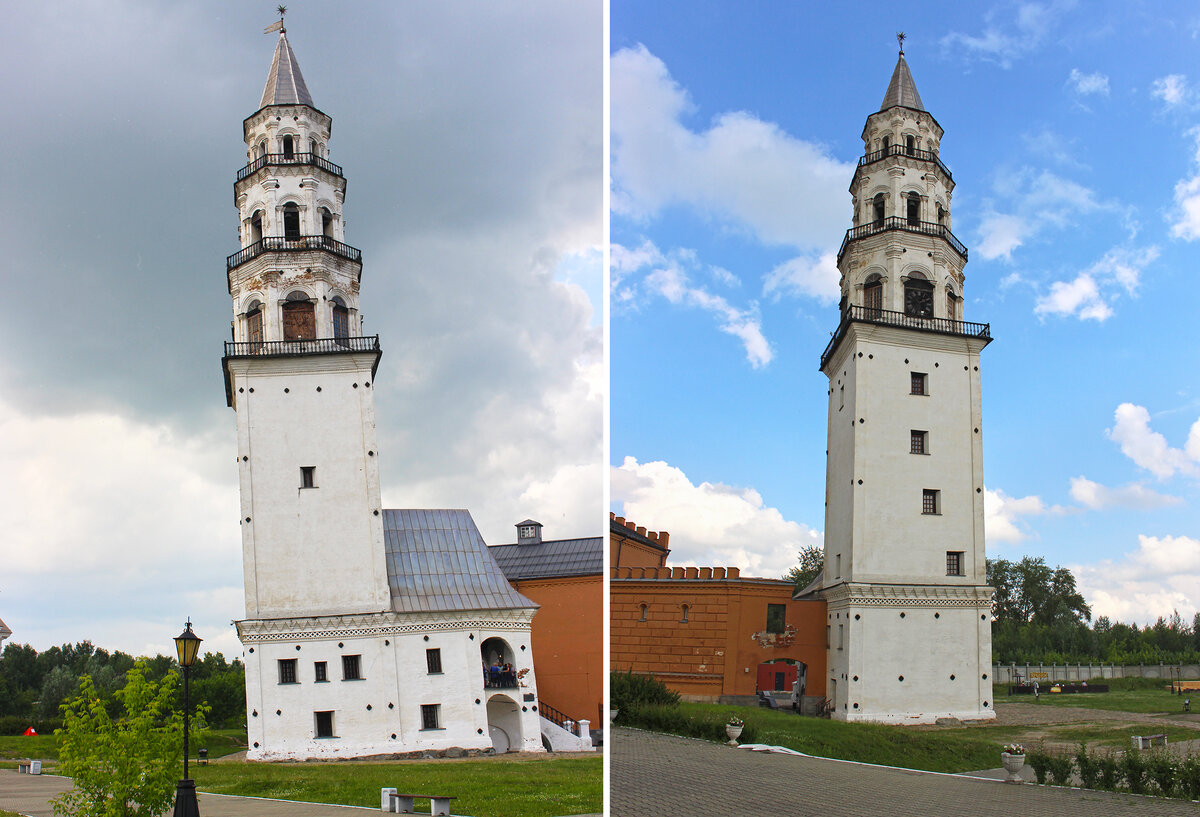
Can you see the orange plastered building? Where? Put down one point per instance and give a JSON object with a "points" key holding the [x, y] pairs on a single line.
{"points": [[708, 632]]}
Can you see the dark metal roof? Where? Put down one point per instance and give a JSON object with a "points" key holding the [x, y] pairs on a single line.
{"points": [[285, 83], [616, 527], [437, 561], [557, 557], [902, 90]]}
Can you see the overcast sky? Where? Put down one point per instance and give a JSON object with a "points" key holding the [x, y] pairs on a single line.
{"points": [[1073, 133], [471, 138]]}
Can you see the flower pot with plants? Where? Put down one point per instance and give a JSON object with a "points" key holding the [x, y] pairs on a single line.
{"points": [[1012, 755], [733, 729]]}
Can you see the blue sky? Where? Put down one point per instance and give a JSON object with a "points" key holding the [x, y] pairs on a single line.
{"points": [[1073, 133]]}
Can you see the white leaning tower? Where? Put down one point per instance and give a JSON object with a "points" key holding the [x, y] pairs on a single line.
{"points": [[909, 607], [366, 629]]}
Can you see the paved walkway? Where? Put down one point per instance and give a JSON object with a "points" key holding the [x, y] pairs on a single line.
{"points": [[656, 775]]}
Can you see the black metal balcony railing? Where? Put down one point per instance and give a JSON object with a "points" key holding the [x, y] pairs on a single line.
{"points": [[882, 225], [287, 348], [886, 317], [554, 716], [281, 244], [275, 159], [902, 150]]}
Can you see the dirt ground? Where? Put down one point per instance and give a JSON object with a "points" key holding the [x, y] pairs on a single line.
{"points": [[1037, 722]]}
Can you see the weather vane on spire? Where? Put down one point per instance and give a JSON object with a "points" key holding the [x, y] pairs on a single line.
{"points": [[900, 38], [277, 26]]}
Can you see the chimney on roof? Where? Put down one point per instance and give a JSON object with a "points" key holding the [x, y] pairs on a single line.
{"points": [[529, 532]]}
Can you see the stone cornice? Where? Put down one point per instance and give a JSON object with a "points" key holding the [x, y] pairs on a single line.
{"points": [[371, 625], [901, 595]]}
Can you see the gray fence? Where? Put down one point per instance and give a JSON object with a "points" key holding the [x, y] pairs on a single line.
{"points": [[1042, 673]]}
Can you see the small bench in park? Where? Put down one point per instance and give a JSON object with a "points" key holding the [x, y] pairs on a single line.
{"points": [[1148, 741], [393, 803]]}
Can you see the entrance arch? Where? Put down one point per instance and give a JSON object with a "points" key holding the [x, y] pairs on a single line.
{"points": [[504, 723], [497, 655]]}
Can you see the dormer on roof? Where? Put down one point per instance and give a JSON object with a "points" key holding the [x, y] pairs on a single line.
{"points": [[529, 532]]}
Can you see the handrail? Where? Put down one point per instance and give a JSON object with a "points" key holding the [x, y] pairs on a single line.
{"points": [[280, 243], [904, 150], [886, 317], [554, 716], [881, 225], [277, 159], [314, 346]]}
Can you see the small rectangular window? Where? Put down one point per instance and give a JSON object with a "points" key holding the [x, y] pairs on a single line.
{"points": [[287, 671], [838, 566], [430, 716], [931, 501], [308, 476], [916, 442], [954, 562], [841, 636], [320, 671], [324, 724], [918, 383], [433, 660], [351, 668], [776, 617]]}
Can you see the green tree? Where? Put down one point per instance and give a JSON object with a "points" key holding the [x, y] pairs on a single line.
{"points": [[126, 767], [812, 561], [60, 683], [1029, 591]]}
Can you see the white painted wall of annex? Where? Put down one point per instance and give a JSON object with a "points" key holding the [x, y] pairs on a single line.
{"points": [[309, 551]]}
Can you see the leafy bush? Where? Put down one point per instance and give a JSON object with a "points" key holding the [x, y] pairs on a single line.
{"points": [[1039, 761], [627, 689], [1161, 768], [1110, 772], [673, 720], [1133, 766], [1088, 765], [1189, 777], [1060, 769]]}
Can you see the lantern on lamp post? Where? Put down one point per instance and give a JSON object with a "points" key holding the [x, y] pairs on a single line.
{"points": [[187, 645]]}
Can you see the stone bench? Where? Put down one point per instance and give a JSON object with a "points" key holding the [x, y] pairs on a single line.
{"points": [[1148, 741], [393, 803]]}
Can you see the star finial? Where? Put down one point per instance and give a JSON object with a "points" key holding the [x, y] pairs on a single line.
{"points": [[900, 38], [277, 26]]}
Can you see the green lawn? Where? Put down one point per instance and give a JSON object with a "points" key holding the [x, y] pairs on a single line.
{"points": [[494, 786], [19, 747], [1146, 701]]}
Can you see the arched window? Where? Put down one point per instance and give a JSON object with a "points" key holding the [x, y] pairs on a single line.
{"points": [[918, 297], [686, 609], [289, 148], [914, 209], [256, 227], [341, 318], [887, 142], [262, 149], [313, 147], [254, 323], [910, 145], [941, 215], [326, 222], [951, 305], [873, 294], [291, 220], [299, 318], [877, 209], [643, 618]]}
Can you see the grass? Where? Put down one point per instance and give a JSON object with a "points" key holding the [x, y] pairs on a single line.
{"points": [[19, 747], [1118, 738], [957, 750], [497, 787], [1119, 698]]}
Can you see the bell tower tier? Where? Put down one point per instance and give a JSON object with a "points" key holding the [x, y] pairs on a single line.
{"points": [[298, 371], [905, 572]]}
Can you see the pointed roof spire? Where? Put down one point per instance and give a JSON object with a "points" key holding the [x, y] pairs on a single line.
{"points": [[285, 83], [902, 90]]}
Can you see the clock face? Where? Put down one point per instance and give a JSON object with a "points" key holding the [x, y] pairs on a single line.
{"points": [[918, 302]]}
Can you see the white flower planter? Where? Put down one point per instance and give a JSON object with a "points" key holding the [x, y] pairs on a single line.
{"points": [[733, 733], [1012, 765]]}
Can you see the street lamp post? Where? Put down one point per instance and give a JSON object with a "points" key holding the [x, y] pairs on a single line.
{"points": [[186, 645]]}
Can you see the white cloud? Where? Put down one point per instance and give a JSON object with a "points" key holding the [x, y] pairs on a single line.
{"points": [[1185, 221], [740, 172], [1002, 40], [108, 519], [1039, 200], [1147, 448], [1162, 575], [710, 524], [667, 275], [818, 277], [1002, 515], [1098, 497], [1086, 84], [1090, 295], [1171, 89]]}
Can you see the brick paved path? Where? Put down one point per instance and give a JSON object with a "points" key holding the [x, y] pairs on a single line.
{"points": [[656, 775]]}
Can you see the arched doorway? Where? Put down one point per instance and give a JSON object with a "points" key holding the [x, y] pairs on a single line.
{"points": [[504, 723], [499, 664]]}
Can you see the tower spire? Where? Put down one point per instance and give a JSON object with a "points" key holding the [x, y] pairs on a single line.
{"points": [[902, 90], [285, 84]]}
